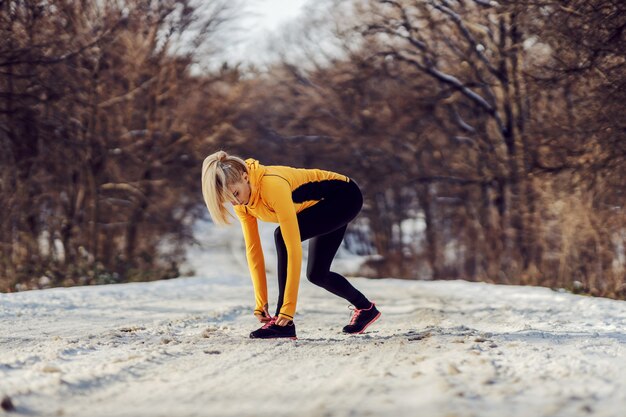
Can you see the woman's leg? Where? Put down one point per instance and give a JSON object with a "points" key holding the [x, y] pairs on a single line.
{"points": [[322, 251], [325, 224]]}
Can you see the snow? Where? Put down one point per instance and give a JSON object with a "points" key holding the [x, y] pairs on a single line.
{"points": [[181, 348]]}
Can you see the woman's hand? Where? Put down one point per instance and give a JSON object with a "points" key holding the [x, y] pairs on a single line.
{"points": [[281, 321], [265, 317]]}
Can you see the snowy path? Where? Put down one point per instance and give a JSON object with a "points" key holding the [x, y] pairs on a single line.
{"points": [[180, 348]]}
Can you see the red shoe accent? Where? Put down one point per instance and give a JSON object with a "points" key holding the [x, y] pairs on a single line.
{"points": [[269, 323], [357, 312], [359, 319], [367, 325]]}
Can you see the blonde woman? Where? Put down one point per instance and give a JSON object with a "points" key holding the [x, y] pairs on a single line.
{"points": [[307, 204]]}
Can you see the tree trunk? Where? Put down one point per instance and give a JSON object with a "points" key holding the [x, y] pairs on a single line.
{"points": [[432, 249], [136, 217]]}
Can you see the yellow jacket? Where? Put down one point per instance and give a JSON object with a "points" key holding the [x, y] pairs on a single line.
{"points": [[278, 193]]}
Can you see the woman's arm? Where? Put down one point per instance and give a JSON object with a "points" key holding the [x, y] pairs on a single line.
{"points": [[256, 262], [278, 195]]}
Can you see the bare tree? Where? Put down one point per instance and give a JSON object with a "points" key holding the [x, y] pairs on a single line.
{"points": [[98, 150]]}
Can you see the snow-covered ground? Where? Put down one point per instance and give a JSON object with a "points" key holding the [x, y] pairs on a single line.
{"points": [[181, 348]]}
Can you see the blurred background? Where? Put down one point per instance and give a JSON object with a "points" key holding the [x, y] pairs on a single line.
{"points": [[488, 137]]}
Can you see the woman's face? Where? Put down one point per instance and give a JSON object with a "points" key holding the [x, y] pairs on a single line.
{"points": [[241, 190]]}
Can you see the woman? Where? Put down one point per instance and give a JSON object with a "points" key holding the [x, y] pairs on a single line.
{"points": [[307, 204]]}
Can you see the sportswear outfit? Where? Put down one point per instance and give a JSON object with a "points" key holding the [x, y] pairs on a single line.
{"points": [[307, 204]]}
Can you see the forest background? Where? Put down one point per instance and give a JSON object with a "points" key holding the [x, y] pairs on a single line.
{"points": [[488, 136]]}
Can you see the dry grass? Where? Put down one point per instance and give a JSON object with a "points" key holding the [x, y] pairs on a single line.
{"points": [[583, 243]]}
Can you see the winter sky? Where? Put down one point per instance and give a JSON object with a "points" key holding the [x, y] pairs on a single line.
{"points": [[262, 19]]}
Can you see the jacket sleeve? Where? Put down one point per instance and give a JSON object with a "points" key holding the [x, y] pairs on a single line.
{"points": [[256, 262], [278, 196]]}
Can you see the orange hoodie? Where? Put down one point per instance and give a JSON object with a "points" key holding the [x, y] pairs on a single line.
{"points": [[278, 193]]}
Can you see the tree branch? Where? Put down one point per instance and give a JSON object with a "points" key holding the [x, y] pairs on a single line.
{"points": [[476, 46]]}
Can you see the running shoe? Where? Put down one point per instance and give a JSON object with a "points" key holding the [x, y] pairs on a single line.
{"points": [[361, 319], [271, 330]]}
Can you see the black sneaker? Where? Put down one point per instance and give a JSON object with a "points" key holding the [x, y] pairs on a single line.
{"points": [[270, 330], [361, 319]]}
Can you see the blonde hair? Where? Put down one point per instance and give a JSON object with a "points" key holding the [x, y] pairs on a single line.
{"points": [[219, 171]]}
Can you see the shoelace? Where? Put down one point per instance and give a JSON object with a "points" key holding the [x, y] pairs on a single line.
{"points": [[355, 314], [269, 323]]}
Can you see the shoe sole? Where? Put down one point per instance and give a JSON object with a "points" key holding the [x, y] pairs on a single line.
{"points": [[368, 324], [272, 338]]}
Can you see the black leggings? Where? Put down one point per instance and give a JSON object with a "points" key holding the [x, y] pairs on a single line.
{"points": [[325, 224]]}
